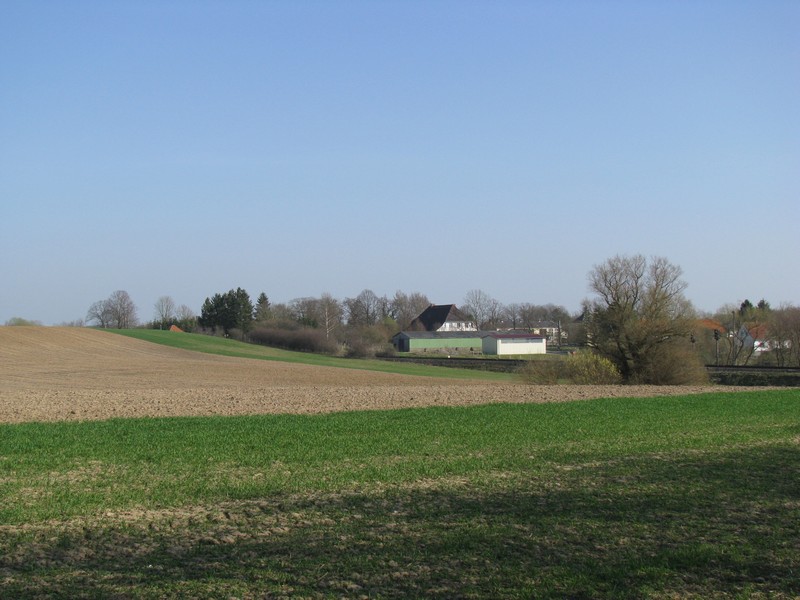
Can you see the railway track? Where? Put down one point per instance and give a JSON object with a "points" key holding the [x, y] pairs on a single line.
{"points": [[754, 375], [723, 374]]}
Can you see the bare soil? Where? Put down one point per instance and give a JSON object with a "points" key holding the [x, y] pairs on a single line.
{"points": [[71, 374]]}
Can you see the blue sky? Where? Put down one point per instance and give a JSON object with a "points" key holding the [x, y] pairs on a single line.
{"points": [[301, 147]]}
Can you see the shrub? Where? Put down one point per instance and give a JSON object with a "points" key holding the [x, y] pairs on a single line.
{"points": [[673, 363], [386, 351], [358, 348], [302, 340], [366, 341], [589, 368], [20, 322]]}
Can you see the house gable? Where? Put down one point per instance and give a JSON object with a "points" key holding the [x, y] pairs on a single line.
{"points": [[442, 317]]}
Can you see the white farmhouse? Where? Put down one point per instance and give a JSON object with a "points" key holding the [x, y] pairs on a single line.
{"points": [[444, 318]]}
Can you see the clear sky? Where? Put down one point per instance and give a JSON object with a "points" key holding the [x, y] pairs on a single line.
{"points": [[295, 147]]}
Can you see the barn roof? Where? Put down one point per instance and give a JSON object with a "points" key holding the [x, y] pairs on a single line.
{"points": [[513, 336]]}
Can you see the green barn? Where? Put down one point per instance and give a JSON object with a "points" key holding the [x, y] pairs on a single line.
{"points": [[421, 341]]}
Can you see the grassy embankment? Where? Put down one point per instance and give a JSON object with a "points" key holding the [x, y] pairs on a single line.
{"points": [[229, 347], [694, 496]]}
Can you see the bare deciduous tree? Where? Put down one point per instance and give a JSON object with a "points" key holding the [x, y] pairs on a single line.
{"points": [[366, 309], [512, 315], [186, 318], [164, 311], [405, 308], [640, 308], [323, 313], [329, 314], [123, 310], [282, 315], [304, 311], [117, 311], [99, 314], [485, 310], [784, 335]]}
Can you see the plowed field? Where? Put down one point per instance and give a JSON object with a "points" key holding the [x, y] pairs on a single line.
{"points": [[54, 374]]}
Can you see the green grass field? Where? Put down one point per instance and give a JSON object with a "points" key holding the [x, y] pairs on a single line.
{"points": [[695, 496], [228, 347]]}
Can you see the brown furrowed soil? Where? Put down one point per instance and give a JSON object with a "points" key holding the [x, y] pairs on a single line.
{"points": [[56, 374]]}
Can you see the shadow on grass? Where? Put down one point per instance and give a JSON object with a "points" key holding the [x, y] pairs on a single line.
{"points": [[690, 525]]}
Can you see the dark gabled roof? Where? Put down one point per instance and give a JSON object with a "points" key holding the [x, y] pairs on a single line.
{"points": [[436, 315]]}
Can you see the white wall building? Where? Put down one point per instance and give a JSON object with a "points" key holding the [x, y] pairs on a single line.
{"points": [[513, 343]]}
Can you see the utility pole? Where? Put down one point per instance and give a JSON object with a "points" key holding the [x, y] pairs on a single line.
{"points": [[559, 334]]}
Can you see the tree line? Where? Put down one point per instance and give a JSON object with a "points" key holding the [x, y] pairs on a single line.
{"points": [[366, 319], [234, 310], [638, 318]]}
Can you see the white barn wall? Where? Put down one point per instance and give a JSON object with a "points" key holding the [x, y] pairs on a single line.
{"points": [[507, 346]]}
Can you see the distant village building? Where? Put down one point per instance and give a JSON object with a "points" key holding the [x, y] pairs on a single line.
{"points": [[444, 328], [440, 327], [551, 330]]}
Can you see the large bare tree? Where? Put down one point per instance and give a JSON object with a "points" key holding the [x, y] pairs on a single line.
{"points": [[117, 311], [366, 309], [531, 315], [639, 308], [123, 310], [405, 308], [323, 313], [304, 311], [485, 310], [99, 314], [186, 318], [164, 311], [784, 335]]}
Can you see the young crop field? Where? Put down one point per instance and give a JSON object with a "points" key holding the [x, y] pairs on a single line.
{"points": [[473, 489]]}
